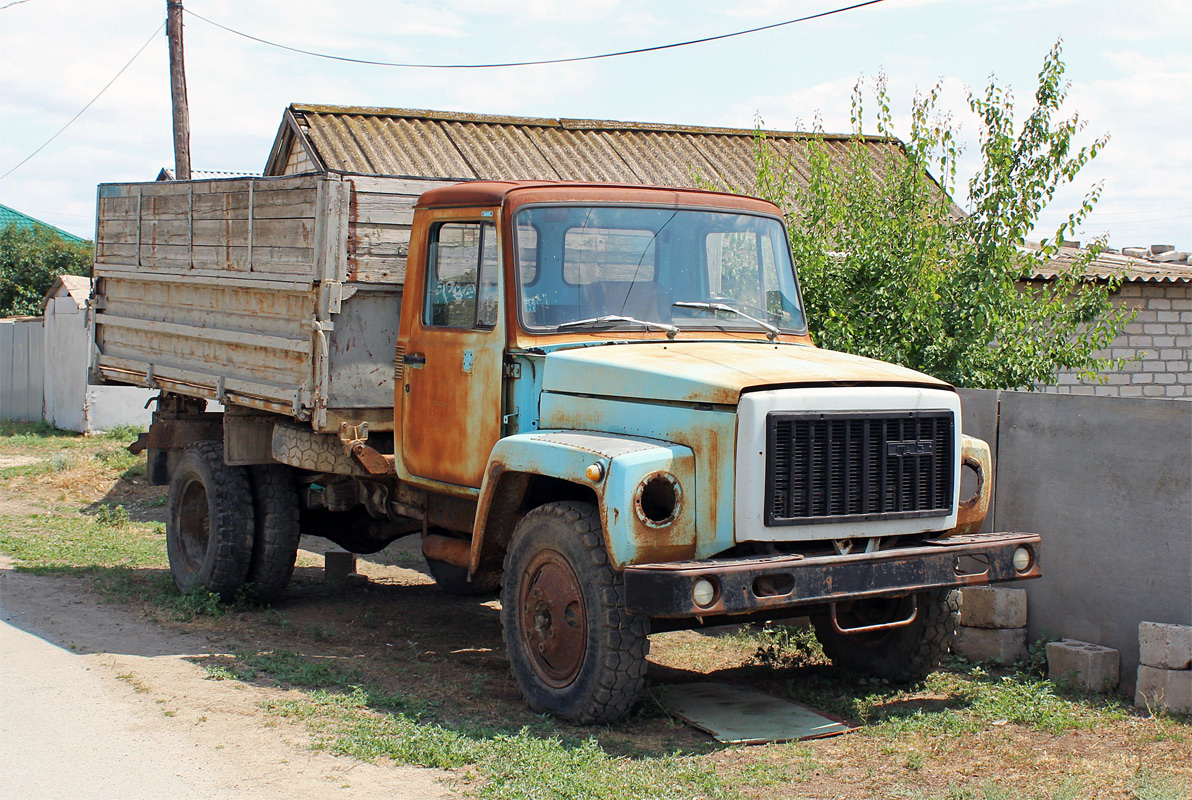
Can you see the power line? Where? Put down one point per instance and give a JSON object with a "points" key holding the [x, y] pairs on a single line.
{"points": [[533, 63], [91, 103], [13, 3]]}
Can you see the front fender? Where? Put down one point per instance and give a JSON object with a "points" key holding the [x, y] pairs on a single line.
{"points": [[640, 479], [971, 513]]}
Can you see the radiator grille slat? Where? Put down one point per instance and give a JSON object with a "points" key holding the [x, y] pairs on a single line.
{"points": [[851, 467]]}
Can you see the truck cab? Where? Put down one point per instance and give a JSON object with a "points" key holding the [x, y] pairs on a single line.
{"points": [[622, 380]]}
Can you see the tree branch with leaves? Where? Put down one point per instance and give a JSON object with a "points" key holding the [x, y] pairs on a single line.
{"points": [[892, 269], [31, 257]]}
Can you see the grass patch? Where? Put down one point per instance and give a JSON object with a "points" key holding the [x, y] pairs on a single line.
{"points": [[42, 436], [52, 451], [782, 646], [502, 765], [1150, 785], [125, 560], [32, 434], [960, 699], [44, 543], [349, 717]]}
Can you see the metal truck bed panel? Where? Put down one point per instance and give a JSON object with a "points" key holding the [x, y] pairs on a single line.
{"points": [[275, 293]]}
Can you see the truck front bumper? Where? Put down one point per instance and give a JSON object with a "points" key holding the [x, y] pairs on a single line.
{"points": [[781, 582]]}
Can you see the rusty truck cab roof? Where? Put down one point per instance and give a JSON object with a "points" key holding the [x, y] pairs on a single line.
{"points": [[514, 193]]}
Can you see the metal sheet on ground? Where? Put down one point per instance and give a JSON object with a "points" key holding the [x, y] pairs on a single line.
{"points": [[740, 715]]}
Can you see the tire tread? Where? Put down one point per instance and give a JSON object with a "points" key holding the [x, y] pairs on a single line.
{"points": [[912, 653], [229, 496], [275, 531], [623, 642]]}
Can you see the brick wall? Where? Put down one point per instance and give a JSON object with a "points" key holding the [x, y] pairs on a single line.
{"points": [[1160, 335]]}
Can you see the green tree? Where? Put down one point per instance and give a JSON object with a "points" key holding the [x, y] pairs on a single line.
{"points": [[30, 259], [892, 269]]}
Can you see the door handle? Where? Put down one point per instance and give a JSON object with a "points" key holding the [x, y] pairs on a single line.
{"points": [[415, 360]]}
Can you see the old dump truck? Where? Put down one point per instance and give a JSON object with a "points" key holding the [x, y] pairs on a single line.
{"points": [[601, 400]]}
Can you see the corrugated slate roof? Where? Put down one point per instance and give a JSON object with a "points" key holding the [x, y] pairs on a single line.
{"points": [[1113, 265], [443, 145], [454, 146], [10, 216]]}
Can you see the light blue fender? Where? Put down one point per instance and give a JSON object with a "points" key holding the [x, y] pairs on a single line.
{"points": [[640, 479]]}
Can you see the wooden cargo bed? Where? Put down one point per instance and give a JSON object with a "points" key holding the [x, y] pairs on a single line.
{"points": [[281, 294]]}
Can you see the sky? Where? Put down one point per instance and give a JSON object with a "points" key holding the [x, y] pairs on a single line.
{"points": [[1128, 64]]}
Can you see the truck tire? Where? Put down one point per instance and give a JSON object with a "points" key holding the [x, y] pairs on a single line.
{"points": [[209, 532], [573, 648], [275, 531], [901, 655]]}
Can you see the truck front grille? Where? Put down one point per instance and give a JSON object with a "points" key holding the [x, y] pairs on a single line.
{"points": [[850, 467]]}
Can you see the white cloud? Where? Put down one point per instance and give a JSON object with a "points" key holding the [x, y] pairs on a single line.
{"points": [[1131, 77]]}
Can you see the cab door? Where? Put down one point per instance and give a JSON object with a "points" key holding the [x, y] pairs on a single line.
{"points": [[452, 364]]}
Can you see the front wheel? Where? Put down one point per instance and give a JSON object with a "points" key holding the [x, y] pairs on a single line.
{"points": [[573, 648], [907, 654]]}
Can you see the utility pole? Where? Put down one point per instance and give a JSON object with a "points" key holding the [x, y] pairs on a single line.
{"points": [[178, 91]]}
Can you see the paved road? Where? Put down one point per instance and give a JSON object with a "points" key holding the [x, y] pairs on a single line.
{"points": [[97, 703], [63, 734]]}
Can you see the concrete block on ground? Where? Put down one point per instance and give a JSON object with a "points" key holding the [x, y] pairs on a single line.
{"points": [[1164, 689], [339, 566], [992, 607], [1082, 665], [1004, 646], [1165, 646]]}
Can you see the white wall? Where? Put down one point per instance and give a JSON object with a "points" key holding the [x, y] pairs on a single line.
{"points": [[66, 364], [111, 406], [71, 403]]}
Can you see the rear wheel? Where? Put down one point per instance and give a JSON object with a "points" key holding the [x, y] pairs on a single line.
{"points": [[574, 650], [907, 654], [275, 530], [209, 533]]}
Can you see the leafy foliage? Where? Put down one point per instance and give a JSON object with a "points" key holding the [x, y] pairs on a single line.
{"points": [[30, 259], [892, 270]]}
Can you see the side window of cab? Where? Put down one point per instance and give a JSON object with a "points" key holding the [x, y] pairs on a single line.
{"points": [[462, 289]]}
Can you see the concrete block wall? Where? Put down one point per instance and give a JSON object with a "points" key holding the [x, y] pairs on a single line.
{"points": [[1106, 482], [1161, 334]]}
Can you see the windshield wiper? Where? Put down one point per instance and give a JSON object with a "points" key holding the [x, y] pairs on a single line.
{"points": [[771, 331], [609, 319]]}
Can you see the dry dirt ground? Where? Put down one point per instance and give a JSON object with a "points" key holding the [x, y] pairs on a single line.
{"points": [[123, 697], [125, 662]]}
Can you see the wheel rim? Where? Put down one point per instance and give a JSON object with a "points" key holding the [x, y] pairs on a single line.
{"points": [[194, 532], [553, 619]]}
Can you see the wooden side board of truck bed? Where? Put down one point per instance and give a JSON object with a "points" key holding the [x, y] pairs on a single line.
{"points": [[281, 294]]}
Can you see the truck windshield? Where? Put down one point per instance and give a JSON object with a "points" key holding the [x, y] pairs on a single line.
{"points": [[635, 267]]}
